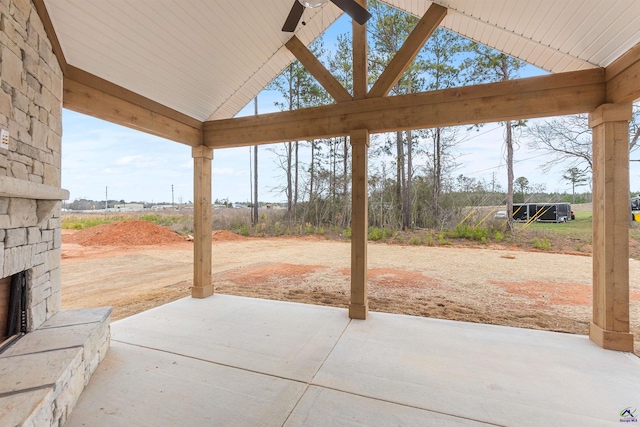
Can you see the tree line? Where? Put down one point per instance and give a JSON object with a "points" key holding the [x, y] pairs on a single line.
{"points": [[412, 181]]}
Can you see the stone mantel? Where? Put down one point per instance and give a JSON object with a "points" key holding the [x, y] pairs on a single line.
{"points": [[21, 189]]}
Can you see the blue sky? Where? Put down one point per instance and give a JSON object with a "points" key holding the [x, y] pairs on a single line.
{"points": [[98, 156]]}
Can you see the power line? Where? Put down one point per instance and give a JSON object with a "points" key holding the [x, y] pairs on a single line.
{"points": [[500, 165], [479, 134]]}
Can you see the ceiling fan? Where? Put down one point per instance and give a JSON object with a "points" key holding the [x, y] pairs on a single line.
{"points": [[350, 7]]}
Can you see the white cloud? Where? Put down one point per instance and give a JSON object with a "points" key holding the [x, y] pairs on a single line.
{"points": [[227, 172], [126, 160]]}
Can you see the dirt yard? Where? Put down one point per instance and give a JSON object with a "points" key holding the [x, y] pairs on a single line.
{"points": [[499, 286]]}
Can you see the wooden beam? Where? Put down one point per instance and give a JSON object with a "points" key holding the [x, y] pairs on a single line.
{"points": [[358, 305], [360, 61], [409, 50], [317, 70], [107, 87], [202, 213], [41, 9], [623, 77], [116, 109], [544, 96], [610, 326]]}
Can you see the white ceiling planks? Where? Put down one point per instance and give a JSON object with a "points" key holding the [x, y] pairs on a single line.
{"points": [[554, 35], [317, 21], [202, 58], [209, 58]]}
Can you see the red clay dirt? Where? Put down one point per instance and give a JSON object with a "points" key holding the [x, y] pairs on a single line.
{"points": [[225, 236], [270, 274], [394, 278], [127, 233], [546, 294]]}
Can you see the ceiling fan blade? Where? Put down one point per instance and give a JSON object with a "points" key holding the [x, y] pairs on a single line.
{"points": [[294, 17], [354, 10]]}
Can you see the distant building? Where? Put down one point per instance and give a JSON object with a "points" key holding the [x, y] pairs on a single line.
{"points": [[129, 207]]}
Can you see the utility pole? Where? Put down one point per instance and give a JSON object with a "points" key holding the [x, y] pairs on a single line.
{"points": [[172, 204], [106, 198]]}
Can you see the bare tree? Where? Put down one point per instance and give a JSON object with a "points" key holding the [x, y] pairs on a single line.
{"points": [[568, 139]]}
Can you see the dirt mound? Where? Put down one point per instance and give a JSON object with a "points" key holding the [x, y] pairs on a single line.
{"points": [[127, 233], [225, 236]]}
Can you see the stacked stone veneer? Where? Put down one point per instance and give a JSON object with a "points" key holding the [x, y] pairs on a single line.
{"points": [[35, 247], [43, 374], [31, 110]]}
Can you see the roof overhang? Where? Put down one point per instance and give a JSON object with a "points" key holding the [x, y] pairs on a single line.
{"points": [[167, 67]]}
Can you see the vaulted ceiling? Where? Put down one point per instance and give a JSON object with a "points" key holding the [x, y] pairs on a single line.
{"points": [[208, 58]]}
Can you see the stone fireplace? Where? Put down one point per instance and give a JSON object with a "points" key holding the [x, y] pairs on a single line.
{"points": [[13, 308], [31, 247], [48, 355]]}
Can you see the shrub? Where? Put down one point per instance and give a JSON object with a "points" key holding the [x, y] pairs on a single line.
{"points": [[543, 244], [308, 228], [498, 236], [376, 233], [464, 232], [241, 229], [277, 229], [415, 241], [442, 239], [480, 234], [428, 238]]}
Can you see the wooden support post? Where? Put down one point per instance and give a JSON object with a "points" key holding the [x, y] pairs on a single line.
{"points": [[359, 307], [360, 67], [610, 326], [202, 211]]}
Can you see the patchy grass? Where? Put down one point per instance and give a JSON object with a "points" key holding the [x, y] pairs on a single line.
{"points": [[580, 228], [179, 222], [82, 222]]}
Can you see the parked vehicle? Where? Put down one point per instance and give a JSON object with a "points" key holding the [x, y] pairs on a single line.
{"points": [[635, 209], [553, 212], [542, 212]]}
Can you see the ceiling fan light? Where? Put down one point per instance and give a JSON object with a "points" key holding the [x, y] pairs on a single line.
{"points": [[313, 3]]}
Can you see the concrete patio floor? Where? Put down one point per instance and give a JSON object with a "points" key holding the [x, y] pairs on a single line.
{"points": [[233, 361]]}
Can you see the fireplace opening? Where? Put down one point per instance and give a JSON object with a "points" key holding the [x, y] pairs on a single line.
{"points": [[13, 309]]}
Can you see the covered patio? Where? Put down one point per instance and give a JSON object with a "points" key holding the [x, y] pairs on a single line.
{"points": [[182, 73], [182, 70], [240, 361]]}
